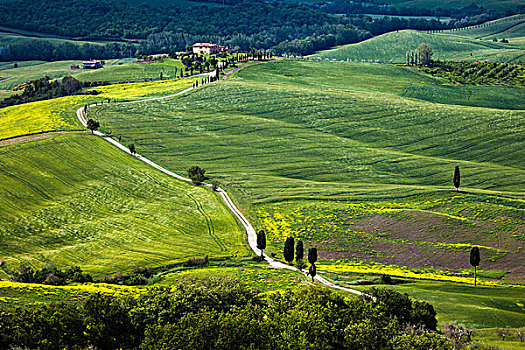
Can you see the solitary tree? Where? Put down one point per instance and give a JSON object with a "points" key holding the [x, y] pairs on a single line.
{"points": [[474, 260], [261, 242], [456, 179], [312, 255], [196, 174], [312, 271], [132, 148], [299, 251], [92, 125], [289, 249]]}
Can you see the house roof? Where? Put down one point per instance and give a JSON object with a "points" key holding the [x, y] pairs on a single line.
{"points": [[204, 45]]}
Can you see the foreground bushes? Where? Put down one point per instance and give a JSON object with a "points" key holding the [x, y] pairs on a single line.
{"points": [[224, 314]]}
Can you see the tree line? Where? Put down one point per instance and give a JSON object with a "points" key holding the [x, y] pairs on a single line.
{"points": [[43, 89], [223, 313], [284, 27], [67, 50]]}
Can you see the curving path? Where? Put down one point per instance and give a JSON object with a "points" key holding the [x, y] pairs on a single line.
{"points": [[252, 236]]}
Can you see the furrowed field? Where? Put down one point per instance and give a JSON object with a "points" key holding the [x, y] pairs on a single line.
{"points": [[299, 147], [75, 200]]}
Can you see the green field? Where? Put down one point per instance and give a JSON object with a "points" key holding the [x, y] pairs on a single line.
{"points": [[508, 28], [393, 47], [132, 71], [254, 275], [280, 136], [355, 159], [59, 114], [15, 36], [77, 200], [500, 5], [11, 77]]}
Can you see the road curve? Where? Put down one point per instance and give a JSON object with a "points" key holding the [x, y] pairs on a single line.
{"points": [[252, 236]]}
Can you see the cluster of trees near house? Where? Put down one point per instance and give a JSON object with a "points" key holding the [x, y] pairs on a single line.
{"points": [[226, 314], [43, 89], [285, 27]]}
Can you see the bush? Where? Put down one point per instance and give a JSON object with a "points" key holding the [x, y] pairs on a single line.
{"points": [[196, 262]]}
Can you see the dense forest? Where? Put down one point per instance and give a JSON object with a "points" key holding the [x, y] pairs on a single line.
{"points": [[284, 27], [226, 314]]}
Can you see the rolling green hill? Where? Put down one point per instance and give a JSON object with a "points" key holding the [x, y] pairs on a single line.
{"points": [[289, 138], [11, 77], [508, 27], [489, 4], [394, 45], [77, 200]]}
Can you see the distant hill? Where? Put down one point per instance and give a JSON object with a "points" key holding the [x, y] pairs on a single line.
{"points": [[394, 45], [501, 5], [508, 27]]}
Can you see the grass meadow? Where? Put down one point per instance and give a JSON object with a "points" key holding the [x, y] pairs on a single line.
{"points": [[276, 138], [60, 114], [475, 307], [132, 71], [393, 46], [356, 159], [508, 28], [500, 5], [76, 200], [126, 69]]}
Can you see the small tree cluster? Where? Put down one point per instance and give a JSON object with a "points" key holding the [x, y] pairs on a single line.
{"points": [[50, 275], [92, 125], [196, 174], [421, 57]]}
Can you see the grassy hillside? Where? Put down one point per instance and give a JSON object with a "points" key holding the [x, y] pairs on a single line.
{"points": [[60, 114], [76, 200], [284, 132], [489, 4], [132, 71], [508, 27], [11, 77], [14, 36], [394, 45]]}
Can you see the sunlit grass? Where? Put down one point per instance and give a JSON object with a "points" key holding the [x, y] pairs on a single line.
{"points": [[76, 200]]}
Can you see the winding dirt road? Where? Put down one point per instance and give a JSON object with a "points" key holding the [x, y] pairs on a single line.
{"points": [[252, 236]]}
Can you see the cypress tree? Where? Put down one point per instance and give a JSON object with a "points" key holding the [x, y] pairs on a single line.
{"points": [[289, 249], [299, 251], [474, 261], [312, 255], [312, 271], [261, 242], [456, 178]]}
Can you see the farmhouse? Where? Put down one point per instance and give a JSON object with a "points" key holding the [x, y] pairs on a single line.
{"points": [[92, 64], [209, 49]]}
